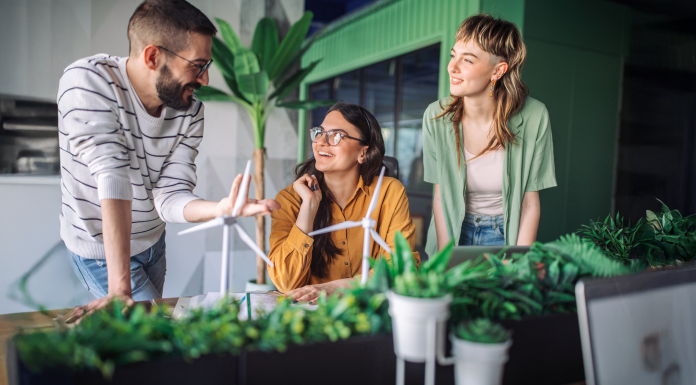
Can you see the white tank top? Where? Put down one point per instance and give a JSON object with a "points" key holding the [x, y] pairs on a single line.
{"points": [[484, 183]]}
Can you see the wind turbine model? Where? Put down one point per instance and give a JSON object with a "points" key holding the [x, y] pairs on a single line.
{"points": [[231, 220], [369, 225]]}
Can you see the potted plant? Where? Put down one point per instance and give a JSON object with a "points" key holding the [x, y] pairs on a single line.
{"points": [[480, 350], [259, 78], [418, 301]]}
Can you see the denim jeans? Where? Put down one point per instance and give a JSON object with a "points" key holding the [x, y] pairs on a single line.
{"points": [[147, 272], [482, 230]]}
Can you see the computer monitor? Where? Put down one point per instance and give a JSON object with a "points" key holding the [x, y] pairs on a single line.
{"points": [[639, 329], [465, 253]]}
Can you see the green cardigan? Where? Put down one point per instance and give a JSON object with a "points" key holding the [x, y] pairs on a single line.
{"points": [[528, 166]]}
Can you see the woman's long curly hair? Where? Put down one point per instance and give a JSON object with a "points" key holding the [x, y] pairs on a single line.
{"points": [[500, 38], [324, 250]]}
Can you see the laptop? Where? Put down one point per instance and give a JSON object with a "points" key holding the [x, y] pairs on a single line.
{"points": [[639, 329], [465, 253]]}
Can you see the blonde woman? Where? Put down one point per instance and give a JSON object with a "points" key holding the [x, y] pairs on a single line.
{"points": [[487, 147]]}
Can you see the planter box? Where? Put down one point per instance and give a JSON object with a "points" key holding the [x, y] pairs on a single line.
{"points": [[545, 350]]}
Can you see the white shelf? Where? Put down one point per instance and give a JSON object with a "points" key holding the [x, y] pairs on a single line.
{"points": [[30, 179]]}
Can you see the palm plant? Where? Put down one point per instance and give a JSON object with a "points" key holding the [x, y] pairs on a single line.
{"points": [[259, 78]]}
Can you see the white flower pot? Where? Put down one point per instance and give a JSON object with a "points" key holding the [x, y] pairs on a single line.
{"points": [[411, 320], [477, 363], [251, 285]]}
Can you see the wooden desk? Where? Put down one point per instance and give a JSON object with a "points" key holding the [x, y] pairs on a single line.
{"points": [[10, 324]]}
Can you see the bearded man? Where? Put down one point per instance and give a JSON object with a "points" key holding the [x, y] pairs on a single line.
{"points": [[129, 128]]}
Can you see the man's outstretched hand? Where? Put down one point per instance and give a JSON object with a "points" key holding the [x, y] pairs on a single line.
{"points": [[251, 208]]}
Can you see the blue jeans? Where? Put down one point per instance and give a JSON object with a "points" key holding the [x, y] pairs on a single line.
{"points": [[482, 230], [147, 272]]}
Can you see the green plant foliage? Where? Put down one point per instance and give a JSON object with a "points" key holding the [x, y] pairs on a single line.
{"points": [[426, 282], [538, 282], [541, 281], [482, 330], [661, 239], [117, 336], [261, 76]]}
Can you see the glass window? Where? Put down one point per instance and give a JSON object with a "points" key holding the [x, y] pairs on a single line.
{"points": [[419, 82], [380, 97], [319, 91], [347, 87]]}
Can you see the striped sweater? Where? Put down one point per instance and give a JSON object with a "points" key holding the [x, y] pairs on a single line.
{"points": [[111, 148]]}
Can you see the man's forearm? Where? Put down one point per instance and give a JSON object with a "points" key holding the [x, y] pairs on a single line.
{"points": [[116, 230], [200, 210]]}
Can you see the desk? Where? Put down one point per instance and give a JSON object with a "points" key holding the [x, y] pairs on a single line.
{"points": [[11, 323]]}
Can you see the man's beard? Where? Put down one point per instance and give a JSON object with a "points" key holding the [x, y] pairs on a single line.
{"points": [[171, 93]]}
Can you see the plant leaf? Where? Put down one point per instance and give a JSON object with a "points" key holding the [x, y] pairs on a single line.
{"points": [[439, 261], [292, 82], [254, 84], [245, 62], [228, 35], [265, 41], [290, 46]]}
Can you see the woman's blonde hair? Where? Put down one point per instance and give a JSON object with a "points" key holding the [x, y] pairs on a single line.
{"points": [[500, 38]]}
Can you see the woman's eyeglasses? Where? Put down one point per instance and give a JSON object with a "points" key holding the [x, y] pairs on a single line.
{"points": [[333, 138]]}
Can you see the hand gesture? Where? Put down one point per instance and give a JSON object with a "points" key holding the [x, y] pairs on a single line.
{"points": [[307, 187], [252, 207]]}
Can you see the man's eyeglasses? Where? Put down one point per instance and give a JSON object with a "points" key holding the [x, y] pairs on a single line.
{"points": [[333, 138], [201, 67]]}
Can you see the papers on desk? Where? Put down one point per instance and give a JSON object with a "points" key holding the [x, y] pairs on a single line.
{"points": [[261, 303]]}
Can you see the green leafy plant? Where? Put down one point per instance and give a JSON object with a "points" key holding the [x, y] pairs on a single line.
{"points": [[482, 330], [661, 239], [259, 78], [404, 278], [541, 281], [117, 335]]}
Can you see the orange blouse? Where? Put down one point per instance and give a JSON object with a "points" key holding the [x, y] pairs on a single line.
{"points": [[291, 249]]}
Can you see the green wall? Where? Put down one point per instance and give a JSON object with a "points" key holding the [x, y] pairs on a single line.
{"points": [[574, 62], [574, 65]]}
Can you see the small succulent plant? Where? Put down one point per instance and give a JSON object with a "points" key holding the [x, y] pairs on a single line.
{"points": [[482, 330]]}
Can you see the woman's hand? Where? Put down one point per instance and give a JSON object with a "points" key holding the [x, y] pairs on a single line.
{"points": [[307, 187], [310, 293]]}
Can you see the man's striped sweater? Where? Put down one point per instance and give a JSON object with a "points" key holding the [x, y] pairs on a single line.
{"points": [[111, 148]]}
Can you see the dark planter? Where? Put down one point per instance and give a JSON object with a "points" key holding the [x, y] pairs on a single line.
{"points": [[545, 350]]}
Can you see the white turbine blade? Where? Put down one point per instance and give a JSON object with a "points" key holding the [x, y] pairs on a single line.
{"points": [[203, 226], [340, 226], [380, 241], [247, 239], [375, 194], [243, 190]]}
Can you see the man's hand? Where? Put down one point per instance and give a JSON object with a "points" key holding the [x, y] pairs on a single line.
{"points": [[310, 293], [80, 312], [251, 208], [203, 211]]}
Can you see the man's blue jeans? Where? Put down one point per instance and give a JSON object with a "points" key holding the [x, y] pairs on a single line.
{"points": [[147, 272]]}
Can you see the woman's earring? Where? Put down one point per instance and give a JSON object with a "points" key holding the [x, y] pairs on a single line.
{"points": [[492, 86]]}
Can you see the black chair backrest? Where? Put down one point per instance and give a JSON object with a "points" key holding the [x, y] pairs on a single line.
{"points": [[392, 166]]}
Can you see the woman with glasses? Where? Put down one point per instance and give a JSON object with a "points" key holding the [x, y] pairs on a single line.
{"points": [[487, 147], [334, 186]]}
